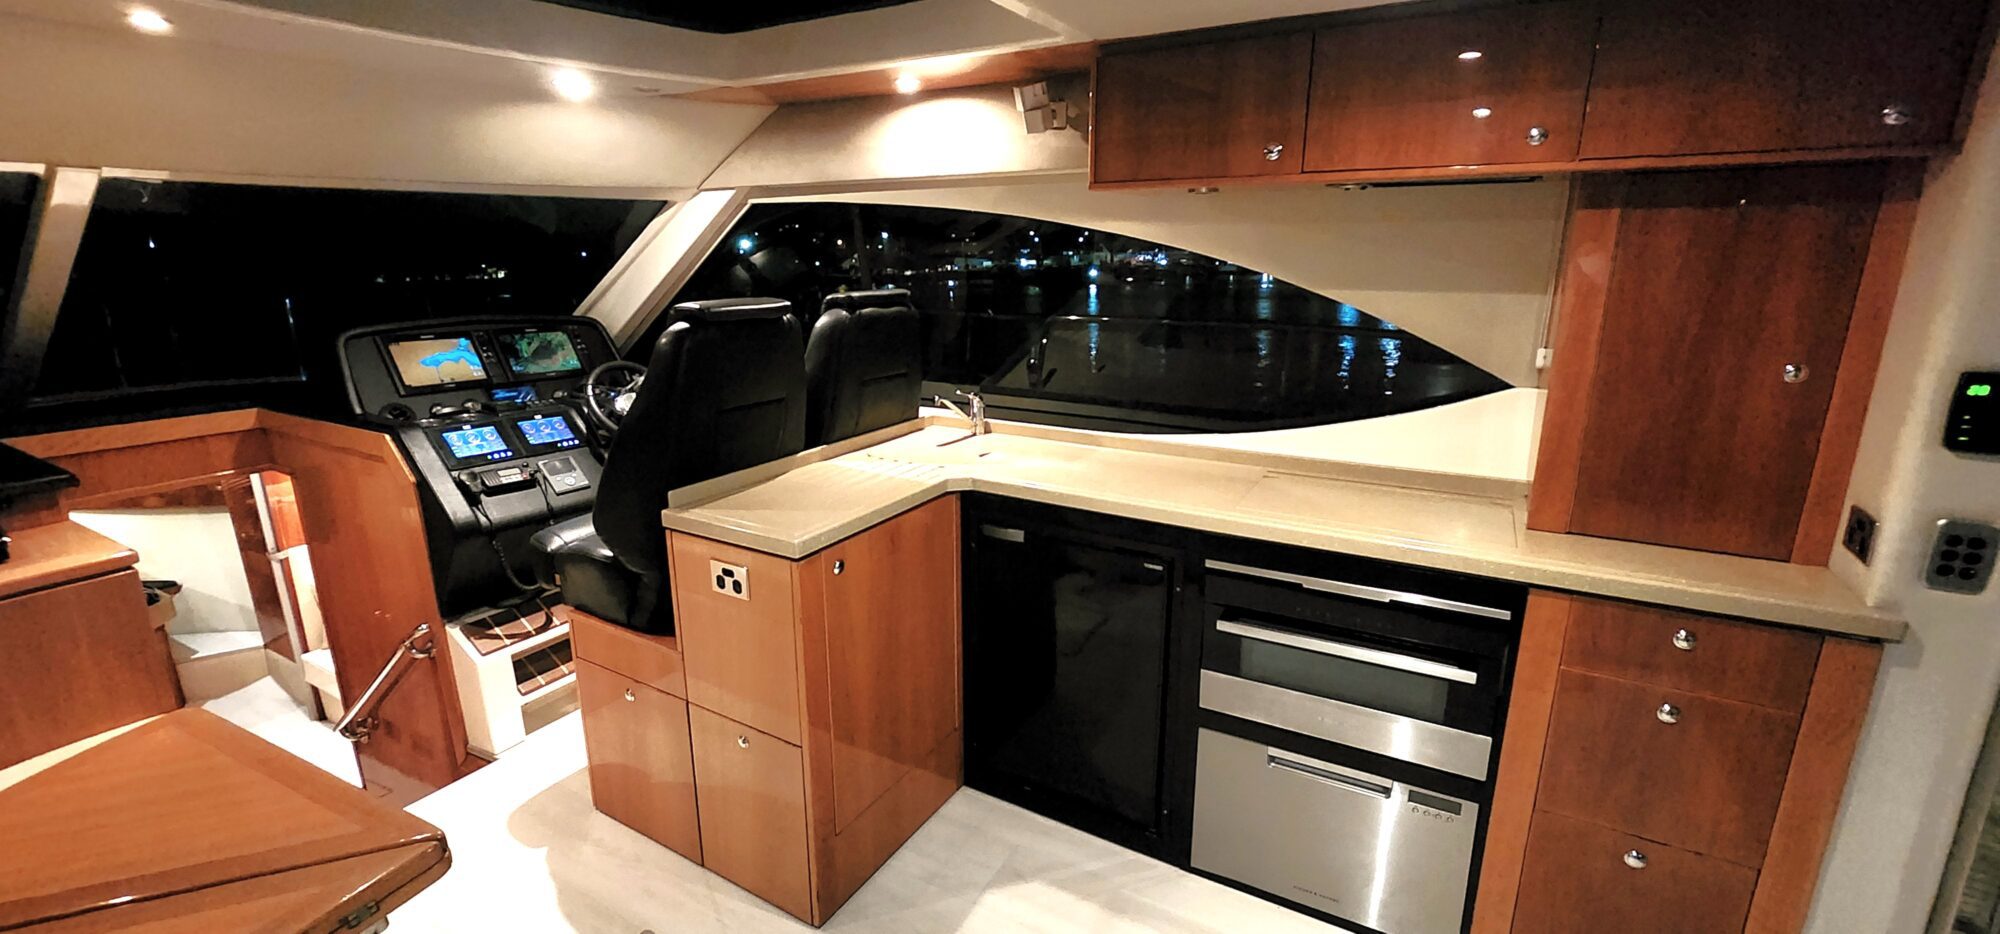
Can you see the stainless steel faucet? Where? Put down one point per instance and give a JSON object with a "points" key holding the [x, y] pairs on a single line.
{"points": [[978, 405]]}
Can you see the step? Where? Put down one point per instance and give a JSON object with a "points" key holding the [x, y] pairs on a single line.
{"points": [[194, 646]]}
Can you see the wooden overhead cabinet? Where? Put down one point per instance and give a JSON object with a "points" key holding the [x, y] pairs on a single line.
{"points": [[1217, 110], [1496, 86], [1686, 77]]}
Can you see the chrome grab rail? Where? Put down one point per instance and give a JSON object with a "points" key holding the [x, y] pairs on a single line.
{"points": [[360, 720]]}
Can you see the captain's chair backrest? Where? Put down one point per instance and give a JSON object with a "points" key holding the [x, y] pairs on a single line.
{"points": [[863, 370], [725, 390]]}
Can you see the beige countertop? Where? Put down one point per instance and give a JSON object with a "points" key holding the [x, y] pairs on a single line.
{"points": [[800, 505]]}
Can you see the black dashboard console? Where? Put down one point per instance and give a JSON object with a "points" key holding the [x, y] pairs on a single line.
{"points": [[489, 415]]}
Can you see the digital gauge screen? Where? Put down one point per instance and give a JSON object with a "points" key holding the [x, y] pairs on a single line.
{"points": [[547, 431], [479, 442]]}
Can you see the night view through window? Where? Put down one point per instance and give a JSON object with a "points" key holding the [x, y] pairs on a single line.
{"points": [[1068, 325]]}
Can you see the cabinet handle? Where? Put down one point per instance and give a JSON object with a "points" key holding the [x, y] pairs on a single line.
{"points": [[1668, 714], [1896, 115], [743, 742], [630, 696], [839, 566], [1796, 372], [1635, 859], [1272, 151], [1537, 135], [1684, 640]]}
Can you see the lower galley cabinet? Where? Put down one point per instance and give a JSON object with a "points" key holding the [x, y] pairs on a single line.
{"points": [[821, 720], [1667, 771]]}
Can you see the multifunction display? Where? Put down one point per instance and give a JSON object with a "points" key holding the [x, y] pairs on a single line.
{"points": [[476, 442], [540, 353], [547, 431], [439, 361]]}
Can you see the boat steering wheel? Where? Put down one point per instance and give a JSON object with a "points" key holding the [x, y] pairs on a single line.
{"points": [[608, 402]]}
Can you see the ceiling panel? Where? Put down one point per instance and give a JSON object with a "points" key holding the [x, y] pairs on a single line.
{"points": [[726, 17]]}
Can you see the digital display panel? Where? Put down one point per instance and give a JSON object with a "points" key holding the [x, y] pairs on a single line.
{"points": [[540, 353], [513, 394], [547, 431], [478, 441], [437, 361]]}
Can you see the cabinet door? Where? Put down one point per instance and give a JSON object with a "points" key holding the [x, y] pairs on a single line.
{"points": [[751, 789], [1499, 86], [1577, 880], [1676, 77], [739, 647], [1696, 434], [641, 765], [1220, 110]]}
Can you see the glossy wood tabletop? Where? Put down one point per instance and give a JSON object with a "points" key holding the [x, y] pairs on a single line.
{"points": [[59, 553], [183, 804]]}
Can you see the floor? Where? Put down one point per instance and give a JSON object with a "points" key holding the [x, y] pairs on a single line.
{"points": [[265, 709], [530, 854]]}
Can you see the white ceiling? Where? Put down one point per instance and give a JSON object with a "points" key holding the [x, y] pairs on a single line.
{"points": [[490, 40]]}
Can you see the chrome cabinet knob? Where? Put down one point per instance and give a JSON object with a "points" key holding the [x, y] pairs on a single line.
{"points": [[1272, 151], [1635, 859], [1896, 115], [1537, 135], [1684, 640], [743, 742], [1796, 372], [839, 566], [1668, 713], [630, 696]]}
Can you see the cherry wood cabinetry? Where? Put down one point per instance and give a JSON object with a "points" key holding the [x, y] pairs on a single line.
{"points": [[641, 763], [1682, 77], [1217, 110], [1650, 783], [1495, 86], [751, 791]]}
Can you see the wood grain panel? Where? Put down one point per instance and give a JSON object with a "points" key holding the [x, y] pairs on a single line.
{"points": [[85, 658], [641, 758], [59, 553], [852, 857], [1201, 111], [1016, 67], [1745, 662], [741, 655], [1596, 204], [1543, 629], [1860, 358], [750, 788], [1719, 280], [1704, 76], [654, 661], [1841, 691], [124, 471], [1576, 882], [1396, 94], [1709, 783]]}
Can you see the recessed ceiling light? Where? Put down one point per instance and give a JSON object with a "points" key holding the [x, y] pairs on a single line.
{"points": [[572, 85], [1471, 55], [908, 84], [1482, 112], [148, 21]]}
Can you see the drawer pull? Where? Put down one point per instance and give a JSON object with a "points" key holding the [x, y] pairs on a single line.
{"points": [[743, 742], [1668, 713], [1684, 640], [630, 696], [1359, 653], [1635, 859]]}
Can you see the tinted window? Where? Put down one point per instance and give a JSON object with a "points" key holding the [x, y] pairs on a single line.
{"points": [[1068, 325], [205, 294], [17, 201]]}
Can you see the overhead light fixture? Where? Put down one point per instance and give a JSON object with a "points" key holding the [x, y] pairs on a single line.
{"points": [[148, 21], [908, 84], [1482, 112], [572, 85], [1471, 55]]}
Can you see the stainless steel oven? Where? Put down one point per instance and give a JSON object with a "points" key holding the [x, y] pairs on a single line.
{"points": [[1349, 726]]}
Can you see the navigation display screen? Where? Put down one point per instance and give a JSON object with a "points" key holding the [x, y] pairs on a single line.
{"points": [[437, 361], [547, 431], [476, 442], [540, 353]]}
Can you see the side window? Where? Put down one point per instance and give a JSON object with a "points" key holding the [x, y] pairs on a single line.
{"points": [[1068, 325], [200, 295], [18, 191]]}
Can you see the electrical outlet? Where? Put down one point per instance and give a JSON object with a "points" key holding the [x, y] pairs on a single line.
{"points": [[729, 580], [1962, 555], [1860, 535]]}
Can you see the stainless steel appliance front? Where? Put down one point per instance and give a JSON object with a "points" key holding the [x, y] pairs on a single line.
{"points": [[1383, 853], [1411, 740]]}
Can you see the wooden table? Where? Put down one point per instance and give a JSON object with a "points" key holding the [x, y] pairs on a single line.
{"points": [[187, 823]]}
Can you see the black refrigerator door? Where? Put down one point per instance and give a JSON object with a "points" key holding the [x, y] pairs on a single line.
{"points": [[1065, 654]]}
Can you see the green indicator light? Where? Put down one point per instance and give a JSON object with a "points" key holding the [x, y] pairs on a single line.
{"points": [[1979, 389]]}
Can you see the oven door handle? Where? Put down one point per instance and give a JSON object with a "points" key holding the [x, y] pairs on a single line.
{"points": [[1274, 758], [1359, 653], [1362, 591]]}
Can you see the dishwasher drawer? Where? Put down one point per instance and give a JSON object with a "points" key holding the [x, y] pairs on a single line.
{"points": [[1355, 845]]}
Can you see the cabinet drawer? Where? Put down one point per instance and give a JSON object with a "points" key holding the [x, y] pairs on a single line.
{"points": [[1708, 782], [652, 660], [1576, 880], [752, 794], [641, 763], [1699, 654], [740, 652]]}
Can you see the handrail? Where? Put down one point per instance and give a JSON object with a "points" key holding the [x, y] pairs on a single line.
{"points": [[360, 720]]}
